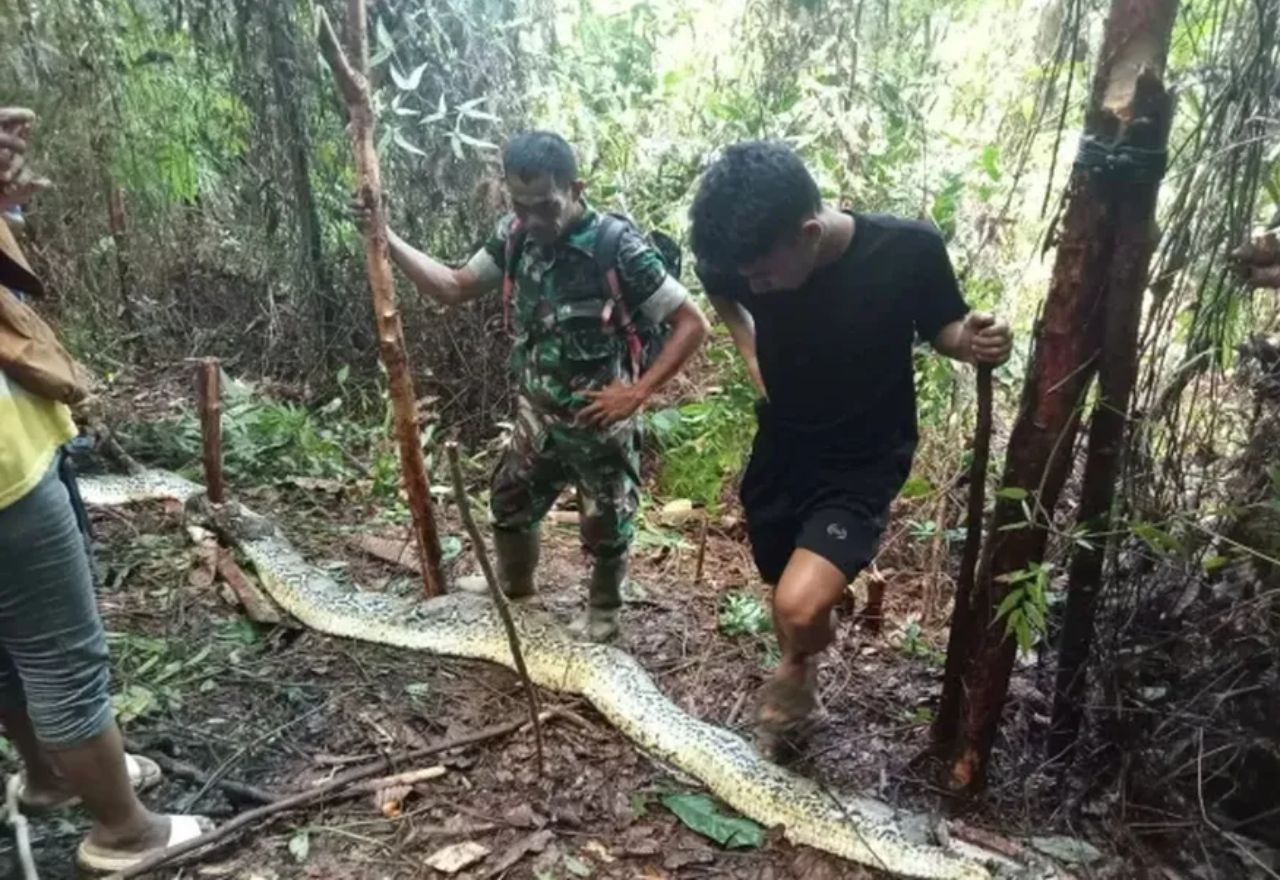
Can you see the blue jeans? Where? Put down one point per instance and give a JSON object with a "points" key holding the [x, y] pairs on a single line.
{"points": [[53, 652]]}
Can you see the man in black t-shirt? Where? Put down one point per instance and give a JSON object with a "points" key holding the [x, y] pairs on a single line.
{"points": [[825, 308]]}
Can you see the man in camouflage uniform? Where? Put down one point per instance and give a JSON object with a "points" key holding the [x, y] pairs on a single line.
{"points": [[580, 388]]}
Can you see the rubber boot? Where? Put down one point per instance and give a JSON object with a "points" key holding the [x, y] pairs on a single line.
{"points": [[517, 559], [604, 598]]}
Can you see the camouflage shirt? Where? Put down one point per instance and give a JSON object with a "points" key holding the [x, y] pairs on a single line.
{"points": [[562, 344]]}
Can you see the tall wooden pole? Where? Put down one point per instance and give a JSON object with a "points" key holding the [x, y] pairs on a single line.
{"points": [[350, 70]]}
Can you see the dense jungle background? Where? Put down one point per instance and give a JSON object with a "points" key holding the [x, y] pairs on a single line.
{"points": [[202, 175]]}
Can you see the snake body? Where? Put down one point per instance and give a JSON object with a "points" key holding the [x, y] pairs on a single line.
{"points": [[463, 625]]}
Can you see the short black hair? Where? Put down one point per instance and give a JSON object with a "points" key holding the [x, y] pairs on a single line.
{"points": [[535, 153], [750, 199]]}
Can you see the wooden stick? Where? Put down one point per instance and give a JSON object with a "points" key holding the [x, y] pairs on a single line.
{"points": [[702, 549], [256, 603], [183, 770], [499, 600], [334, 788], [349, 71], [209, 401], [411, 777], [962, 612], [21, 829]]}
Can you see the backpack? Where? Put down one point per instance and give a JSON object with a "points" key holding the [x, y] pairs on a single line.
{"points": [[643, 344]]}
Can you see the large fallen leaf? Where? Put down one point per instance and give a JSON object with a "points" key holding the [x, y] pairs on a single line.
{"points": [[700, 813], [454, 858], [530, 843]]}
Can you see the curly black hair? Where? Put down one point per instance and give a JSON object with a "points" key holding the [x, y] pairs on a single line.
{"points": [[535, 153], [750, 199]]}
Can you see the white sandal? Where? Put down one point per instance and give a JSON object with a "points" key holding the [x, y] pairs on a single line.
{"points": [[143, 774], [102, 860]]}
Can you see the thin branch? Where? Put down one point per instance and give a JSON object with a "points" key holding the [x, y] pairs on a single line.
{"points": [[350, 83], [499, 600]]}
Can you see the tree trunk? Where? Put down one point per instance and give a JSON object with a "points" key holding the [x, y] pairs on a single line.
{"points": [[1145, 125], [1098, 237], [296, 139], [351, 72]]}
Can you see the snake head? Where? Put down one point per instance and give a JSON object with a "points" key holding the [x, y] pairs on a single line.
{"points": [[231, 520]]}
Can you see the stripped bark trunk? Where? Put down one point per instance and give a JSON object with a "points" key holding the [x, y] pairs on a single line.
{"points": [[350, 70], [1149, 115], [209, 398], [1096, 232]]}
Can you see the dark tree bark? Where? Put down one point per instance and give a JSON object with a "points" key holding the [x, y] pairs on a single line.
{"points": [[1097, 240], [1145, 126], [289, 92]]}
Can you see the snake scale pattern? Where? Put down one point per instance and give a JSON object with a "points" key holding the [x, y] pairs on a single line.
{"points": [[462, 625]]}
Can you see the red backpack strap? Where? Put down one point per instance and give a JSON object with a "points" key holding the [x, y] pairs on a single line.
{"points": [[606, 254], [515, 238]]}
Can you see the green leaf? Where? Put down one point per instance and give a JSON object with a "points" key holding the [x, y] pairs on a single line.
{"points": [[991, 161], [916, 487], [133, 702], [403, 144], [1214, 564], [701, 814], [410, 82], [1012, 493], [300, 846], [1011, 601], [343, 373], [450, 548], [475, 142]]}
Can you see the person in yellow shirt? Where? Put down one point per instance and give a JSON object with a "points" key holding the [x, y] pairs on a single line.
{"points": [[54, 700]]}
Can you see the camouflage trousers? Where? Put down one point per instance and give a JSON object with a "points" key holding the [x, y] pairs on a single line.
{"points": [[546, 454]]}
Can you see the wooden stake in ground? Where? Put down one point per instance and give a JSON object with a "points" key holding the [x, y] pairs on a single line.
{"points": [[350, 70], [495, 590], [209, 400], [1103, 253]]}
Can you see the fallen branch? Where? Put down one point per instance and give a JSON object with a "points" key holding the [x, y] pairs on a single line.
{"points": [[192, 773], [336, 789], [499, 600]]}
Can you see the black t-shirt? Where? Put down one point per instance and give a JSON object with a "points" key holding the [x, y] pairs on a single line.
{"points": [[836, 354]]}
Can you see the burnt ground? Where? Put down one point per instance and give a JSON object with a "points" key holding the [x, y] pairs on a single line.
{"points": [[282, 708]]}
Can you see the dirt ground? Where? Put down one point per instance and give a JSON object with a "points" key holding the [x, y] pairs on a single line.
{"points": [[281, 708]]}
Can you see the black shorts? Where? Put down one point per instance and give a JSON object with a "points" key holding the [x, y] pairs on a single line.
{"points": [[801, 494]]}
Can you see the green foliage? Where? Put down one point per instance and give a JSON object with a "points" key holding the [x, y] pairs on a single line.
{"points": [[703, 815], [266, 440], [916, 645], [1025, 606], [704, 444], [743, 614]]}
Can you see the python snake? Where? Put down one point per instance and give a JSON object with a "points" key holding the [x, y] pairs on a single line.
{"points": [[464, 625]]}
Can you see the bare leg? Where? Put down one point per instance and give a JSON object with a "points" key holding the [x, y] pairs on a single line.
{"points": [[803, 602], [44, 785], [95, 770]]}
